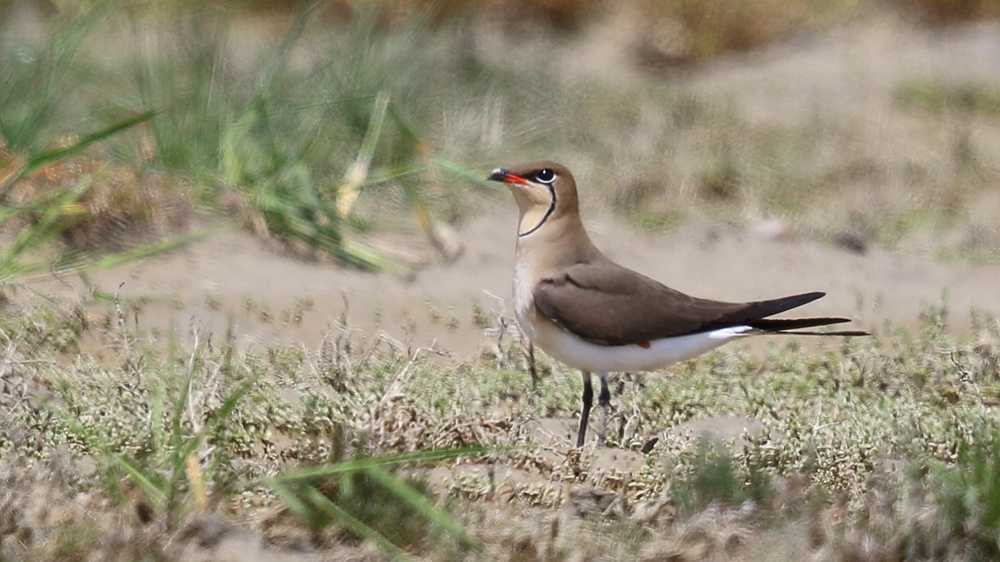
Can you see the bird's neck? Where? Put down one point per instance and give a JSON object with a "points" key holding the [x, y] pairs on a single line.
{"points": [[533, 218], [560, 242]]}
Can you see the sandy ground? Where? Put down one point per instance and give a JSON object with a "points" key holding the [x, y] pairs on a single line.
{"points": [[232, 277]]}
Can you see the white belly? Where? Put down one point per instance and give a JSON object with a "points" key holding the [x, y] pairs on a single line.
{"points": [[587, 356], [524, 304]]}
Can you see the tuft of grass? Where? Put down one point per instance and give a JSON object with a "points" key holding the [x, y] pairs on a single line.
{"points": [[299, 140], [173, 466], [968, 494], [716, 477], [169, 436], [42, 158], [52, 214], [257, 133], [285, 136], [372, 503]]}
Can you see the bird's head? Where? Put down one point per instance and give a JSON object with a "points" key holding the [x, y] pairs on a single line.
{"points": [[543, 191]]}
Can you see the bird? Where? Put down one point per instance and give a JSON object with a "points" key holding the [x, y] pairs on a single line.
{"points": [[595, 315]]}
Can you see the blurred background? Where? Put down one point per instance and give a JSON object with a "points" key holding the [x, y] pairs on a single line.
{"points": [[358, 133]]}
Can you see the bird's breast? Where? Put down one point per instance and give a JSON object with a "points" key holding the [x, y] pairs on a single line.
{"points": [[524, 302]]}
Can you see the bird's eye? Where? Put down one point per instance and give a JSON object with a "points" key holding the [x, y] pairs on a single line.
{"points": [[545, 175]]}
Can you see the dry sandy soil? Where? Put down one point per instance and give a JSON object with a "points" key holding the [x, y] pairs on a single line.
{"points": [[435, 306]]}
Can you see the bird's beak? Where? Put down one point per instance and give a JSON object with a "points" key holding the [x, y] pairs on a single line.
{"points": [[502, 175]]}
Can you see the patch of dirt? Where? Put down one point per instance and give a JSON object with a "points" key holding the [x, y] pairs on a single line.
{"points": [[233, 279]]}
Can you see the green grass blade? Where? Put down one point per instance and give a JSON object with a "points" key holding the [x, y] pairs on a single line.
{"points": [[57, 213], [409, 131], [374, 132], [157, 434], [333, 469], [368, 258], [147, 485], [294, 504], [431, 512], [395, 172], [84, 264], [334, 511], [39, 161], [179, 442], [474, 177], [217, 418], [156, 496], [358, 171]]}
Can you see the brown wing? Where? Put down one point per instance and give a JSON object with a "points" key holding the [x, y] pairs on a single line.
{"points": [[605, 303]]}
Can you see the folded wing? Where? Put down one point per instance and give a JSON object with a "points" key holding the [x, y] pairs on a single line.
{"points": [[608, 304]]}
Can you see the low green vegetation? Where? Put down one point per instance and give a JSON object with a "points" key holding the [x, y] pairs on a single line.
{"points": [[877, 431], [167, 439], [281, 137]]}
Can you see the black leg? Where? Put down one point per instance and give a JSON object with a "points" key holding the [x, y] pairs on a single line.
{"points": [[532, 368], [588, 401], [604, 399]]}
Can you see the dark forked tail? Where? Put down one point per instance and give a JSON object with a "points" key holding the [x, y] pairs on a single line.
{"points": [[756, 315], [787, 326]]}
